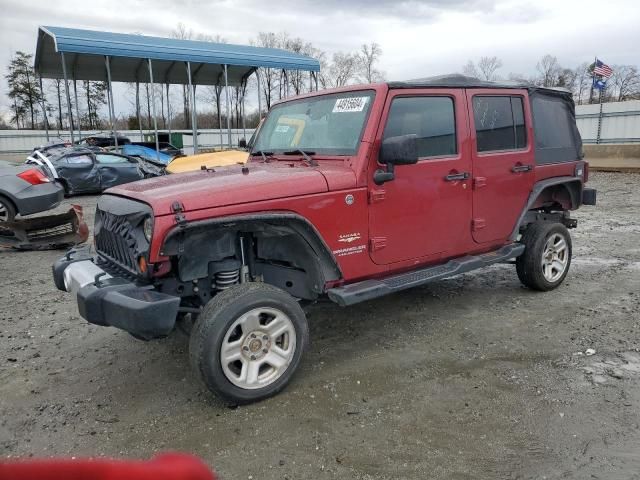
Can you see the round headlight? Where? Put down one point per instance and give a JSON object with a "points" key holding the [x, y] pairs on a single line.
{"points": [[147, 228]]}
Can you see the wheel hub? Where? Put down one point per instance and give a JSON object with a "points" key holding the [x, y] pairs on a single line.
{"points": [[256, 345]]}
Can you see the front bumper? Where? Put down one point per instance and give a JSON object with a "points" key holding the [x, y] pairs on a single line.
{"points": [[113, 301]]}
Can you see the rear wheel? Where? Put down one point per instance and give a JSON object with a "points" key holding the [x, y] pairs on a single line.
{"points": [[248, 341], [7, 210], [547, 256]]}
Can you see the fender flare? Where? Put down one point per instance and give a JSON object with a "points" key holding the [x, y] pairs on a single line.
{"points": [[329, 267], [573, 184]]}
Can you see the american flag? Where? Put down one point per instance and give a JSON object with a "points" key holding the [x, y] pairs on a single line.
{"points": [[602, 69]]}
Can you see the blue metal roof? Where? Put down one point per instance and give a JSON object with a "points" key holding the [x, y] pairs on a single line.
{"points": [[85, 51]]}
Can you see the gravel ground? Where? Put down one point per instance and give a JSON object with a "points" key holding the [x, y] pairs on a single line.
{"points": [[473, 377]]}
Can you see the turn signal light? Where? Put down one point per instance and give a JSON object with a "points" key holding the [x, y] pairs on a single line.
{"points": [[142, 263], [34, 176]]}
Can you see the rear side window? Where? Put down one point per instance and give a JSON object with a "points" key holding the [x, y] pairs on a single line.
{"points": [[499, 122], [106, 158], [557, 137], [432, 119], [79, 160]]}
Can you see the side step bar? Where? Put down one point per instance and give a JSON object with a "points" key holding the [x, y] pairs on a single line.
{"points": [[369, 289]]}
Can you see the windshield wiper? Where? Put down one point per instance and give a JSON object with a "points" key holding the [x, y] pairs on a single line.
{"points": [[263, 154], [305, 153]]}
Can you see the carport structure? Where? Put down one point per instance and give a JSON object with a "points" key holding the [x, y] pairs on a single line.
{"points": [[74, 54]]}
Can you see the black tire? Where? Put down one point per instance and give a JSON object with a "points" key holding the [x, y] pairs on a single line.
{"points": [[529, 265], [214, 323], [7, 210]]}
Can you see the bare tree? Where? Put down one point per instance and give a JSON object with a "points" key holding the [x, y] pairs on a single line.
{"points": [[485, 70], [368, 58], [470, 70], [181, 32], [548, 71], [624, 83], [343, 69], [269, 78], [582, 82], [488, 67]]}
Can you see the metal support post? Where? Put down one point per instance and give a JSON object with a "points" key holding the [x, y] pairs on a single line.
{"points": [[112, 113], [153, 103], [226, 87], [68, 95]]}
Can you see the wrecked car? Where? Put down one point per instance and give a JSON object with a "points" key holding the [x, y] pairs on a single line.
{"points": [[349, 194], [25, 190], [81, 170]]}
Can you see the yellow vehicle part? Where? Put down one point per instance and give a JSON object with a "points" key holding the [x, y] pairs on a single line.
{"points": [[191, 163]]}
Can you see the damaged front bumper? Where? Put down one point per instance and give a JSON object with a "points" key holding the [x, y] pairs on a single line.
{"points": [[45, 232], [113, 301]]}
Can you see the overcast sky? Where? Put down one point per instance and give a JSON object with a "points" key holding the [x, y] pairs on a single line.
{"points": [[418, 38]]}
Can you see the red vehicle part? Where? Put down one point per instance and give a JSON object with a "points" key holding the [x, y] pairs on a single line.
{"points": [[170, 466]]}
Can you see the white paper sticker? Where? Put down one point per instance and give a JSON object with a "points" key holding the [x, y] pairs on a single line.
{"points": [[350, 104], [282, 128]]}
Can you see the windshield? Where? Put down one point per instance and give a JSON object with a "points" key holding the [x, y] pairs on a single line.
{"points": [[328, 124]]}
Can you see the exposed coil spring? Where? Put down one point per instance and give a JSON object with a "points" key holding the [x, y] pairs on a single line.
{"points": [[227, 279]]}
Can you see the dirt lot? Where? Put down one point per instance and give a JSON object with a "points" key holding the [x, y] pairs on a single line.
{"points": [[474, 377]]}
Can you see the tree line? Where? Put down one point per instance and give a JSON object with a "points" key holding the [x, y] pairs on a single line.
{"points": [[624, 83], [37, 103]]}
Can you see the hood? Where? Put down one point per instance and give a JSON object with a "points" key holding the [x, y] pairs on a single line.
{"points": [[225, 186]]}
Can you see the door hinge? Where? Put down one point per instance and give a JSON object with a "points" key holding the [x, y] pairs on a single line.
{"points": [[376, 196], [478, 224], [479, 182], [178, 209], [377, 243]]}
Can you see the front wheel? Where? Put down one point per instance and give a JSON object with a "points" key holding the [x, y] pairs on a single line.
{"points": [[547, 256], [248, 341]]}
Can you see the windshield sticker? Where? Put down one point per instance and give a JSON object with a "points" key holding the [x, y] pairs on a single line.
{"points": [[282, 128], [351, 104]]}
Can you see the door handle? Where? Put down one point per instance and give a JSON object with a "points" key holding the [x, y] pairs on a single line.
{"points": [[454, 177], [521, 168]]}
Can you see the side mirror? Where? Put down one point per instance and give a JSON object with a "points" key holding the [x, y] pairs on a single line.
{"points": [[242, 143], [401, 150]]}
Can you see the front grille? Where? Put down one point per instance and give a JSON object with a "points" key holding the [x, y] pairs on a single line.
{"points": [[116, 243]]}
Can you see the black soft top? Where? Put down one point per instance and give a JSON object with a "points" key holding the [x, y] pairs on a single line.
{"points": [[456, 80]]}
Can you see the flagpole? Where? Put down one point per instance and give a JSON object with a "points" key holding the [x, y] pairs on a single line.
{"points": [[593, 79]]}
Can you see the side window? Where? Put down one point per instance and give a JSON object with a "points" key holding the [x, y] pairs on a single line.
{"points": [[106, 158], [79, 160], [432, 119], [499, 123]]}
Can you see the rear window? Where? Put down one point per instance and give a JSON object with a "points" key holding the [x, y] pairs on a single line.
{"points": [[499, 122]]}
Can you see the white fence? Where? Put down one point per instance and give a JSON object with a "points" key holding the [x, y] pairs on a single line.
{"points": [[619, 122], [20, 142]]}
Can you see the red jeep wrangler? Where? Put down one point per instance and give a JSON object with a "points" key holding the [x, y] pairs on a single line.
{"points": [[351, 193]]}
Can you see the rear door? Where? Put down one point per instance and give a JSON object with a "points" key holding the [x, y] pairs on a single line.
{"points": [[503, 160], [425, 211], [116, 170]]}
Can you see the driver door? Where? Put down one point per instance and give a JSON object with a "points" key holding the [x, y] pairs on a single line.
{"points": [[424, 213]]}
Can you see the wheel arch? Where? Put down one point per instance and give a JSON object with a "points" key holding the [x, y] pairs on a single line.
{"points": [[563, 192], [297, 239], [10, 201]]}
